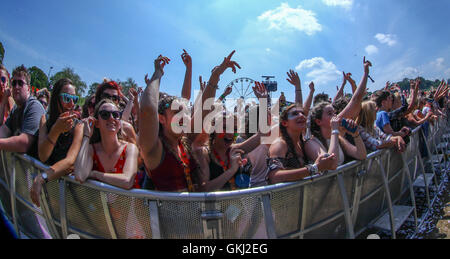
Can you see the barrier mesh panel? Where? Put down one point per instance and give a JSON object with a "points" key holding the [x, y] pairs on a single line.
{"points": [[85, 211], [180, 220], [243, 218], [286, 207], [130, 216]]}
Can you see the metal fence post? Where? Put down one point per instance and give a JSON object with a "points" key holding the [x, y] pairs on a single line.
{"points": [[388, 197], [348, 220]]}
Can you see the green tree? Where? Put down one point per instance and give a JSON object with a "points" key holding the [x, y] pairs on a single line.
{"points": [[70, 74], [92, 89], [38, 78], [127, 85], [2, 53]]}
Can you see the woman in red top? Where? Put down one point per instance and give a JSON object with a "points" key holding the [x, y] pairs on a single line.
{"points": [[107, 159]]}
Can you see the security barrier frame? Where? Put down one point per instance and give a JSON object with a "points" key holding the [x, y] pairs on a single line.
{"points": [[339, 204]]}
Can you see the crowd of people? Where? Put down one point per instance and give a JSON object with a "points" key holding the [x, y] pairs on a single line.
{"points": [[133, 142]]}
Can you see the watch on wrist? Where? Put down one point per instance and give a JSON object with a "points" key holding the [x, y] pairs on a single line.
{"points": [[45, 177]]}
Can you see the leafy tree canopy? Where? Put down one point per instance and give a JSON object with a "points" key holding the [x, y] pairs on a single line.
{"points": [[70, 74], [38, 78]]}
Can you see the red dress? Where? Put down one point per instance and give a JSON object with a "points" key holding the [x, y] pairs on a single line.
{"points": [[118, 168]]}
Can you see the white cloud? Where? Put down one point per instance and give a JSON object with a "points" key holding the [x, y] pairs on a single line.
{"points": [[371, 49], [284, 17], [389, 39], [322, 71], [342, 3]]}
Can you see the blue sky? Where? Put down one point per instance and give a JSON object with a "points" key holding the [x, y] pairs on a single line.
{"points": [[319, 39]]}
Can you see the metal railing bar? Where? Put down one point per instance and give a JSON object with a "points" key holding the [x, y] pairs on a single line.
{"points": [[154, 219], [267, 214], [108, 218], [348, 220], [62, 207]]}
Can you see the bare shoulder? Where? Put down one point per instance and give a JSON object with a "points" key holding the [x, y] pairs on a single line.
{"points": [[278, 148]]}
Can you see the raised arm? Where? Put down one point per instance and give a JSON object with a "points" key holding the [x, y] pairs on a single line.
{"points": [[351, 111], [308, 102], [340, 92], [227, 92], [187, 85], [294, 80], [148, 111], [253, 142]]}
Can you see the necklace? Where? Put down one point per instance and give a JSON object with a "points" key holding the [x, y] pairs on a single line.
{"points": [[226, 167], [187, 169]]}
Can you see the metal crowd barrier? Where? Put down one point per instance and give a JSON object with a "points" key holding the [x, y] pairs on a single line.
{"points": [[340, 204]]}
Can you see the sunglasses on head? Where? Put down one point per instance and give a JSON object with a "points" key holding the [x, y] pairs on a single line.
{"points": [[105, 115], [68, 97], [3, 79], [21, 83], [114, 98]]}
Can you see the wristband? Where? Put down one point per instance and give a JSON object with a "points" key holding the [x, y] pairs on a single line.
{"points": [[335, 132], [86, 136]]}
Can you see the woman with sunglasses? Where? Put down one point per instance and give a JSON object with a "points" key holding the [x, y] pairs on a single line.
{"points": [[112, 91], [107, 158], [59, 136], [287, 155], [6, 101]]}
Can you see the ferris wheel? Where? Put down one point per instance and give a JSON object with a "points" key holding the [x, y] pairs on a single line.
{"points": [[242, 88]]}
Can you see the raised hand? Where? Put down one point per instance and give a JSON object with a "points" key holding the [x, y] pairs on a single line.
{"points": [[311, 86], [187, 60], [227, 91], [202, 84], [236, 158], [293, 78], [260, 90], [88, 128], [388, 84], [227, 63], [160, 63], [367, 64], [64, 123]]}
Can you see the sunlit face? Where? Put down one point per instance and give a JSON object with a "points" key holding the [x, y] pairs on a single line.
{"points": [[327, 114], [20, 89], [296, 119], [108, 121], [67, 104]]}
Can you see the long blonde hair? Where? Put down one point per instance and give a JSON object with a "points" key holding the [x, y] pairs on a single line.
{"points": [[367, 116]]}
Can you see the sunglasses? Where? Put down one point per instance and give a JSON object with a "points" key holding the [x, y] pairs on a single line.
{"points": [[21, 83], [105, 115], [114, 98], [3, 79], [68, 97]]}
